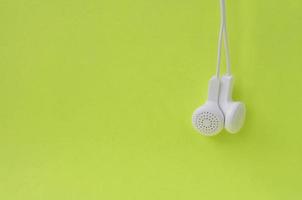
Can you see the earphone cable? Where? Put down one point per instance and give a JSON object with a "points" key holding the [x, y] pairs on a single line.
{"points": [[223, 35]]}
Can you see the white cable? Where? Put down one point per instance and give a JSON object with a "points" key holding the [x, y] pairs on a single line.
{"points": [[226, 43], [219, 50], [223, 33]]}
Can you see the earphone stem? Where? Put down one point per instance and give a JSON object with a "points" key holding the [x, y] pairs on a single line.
{"points": [[213, 91], [226, 89]]}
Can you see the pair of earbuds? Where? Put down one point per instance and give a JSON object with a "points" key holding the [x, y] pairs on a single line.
{"points": [[220, 111]]}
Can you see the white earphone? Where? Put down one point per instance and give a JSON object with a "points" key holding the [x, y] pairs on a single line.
{"points": [[220, 111]]}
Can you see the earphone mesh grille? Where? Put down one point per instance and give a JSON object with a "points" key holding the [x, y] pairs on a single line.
{"points": [[207, 122]]}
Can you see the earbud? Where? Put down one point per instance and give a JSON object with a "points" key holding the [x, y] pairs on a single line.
{"points": [[220, 110], [208, 119], [234, 111]]}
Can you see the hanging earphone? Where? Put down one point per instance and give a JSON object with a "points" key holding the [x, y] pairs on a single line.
{"points": [[209, 119], [234, 111], [220, 110]]}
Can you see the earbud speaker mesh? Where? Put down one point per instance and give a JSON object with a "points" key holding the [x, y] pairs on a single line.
{"points": [[207, 122]]}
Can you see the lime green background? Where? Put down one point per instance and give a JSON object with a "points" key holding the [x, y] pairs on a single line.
{"points": [[97, 96]]}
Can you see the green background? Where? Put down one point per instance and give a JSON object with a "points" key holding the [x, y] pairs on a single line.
{"points": [[97, 96]]}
